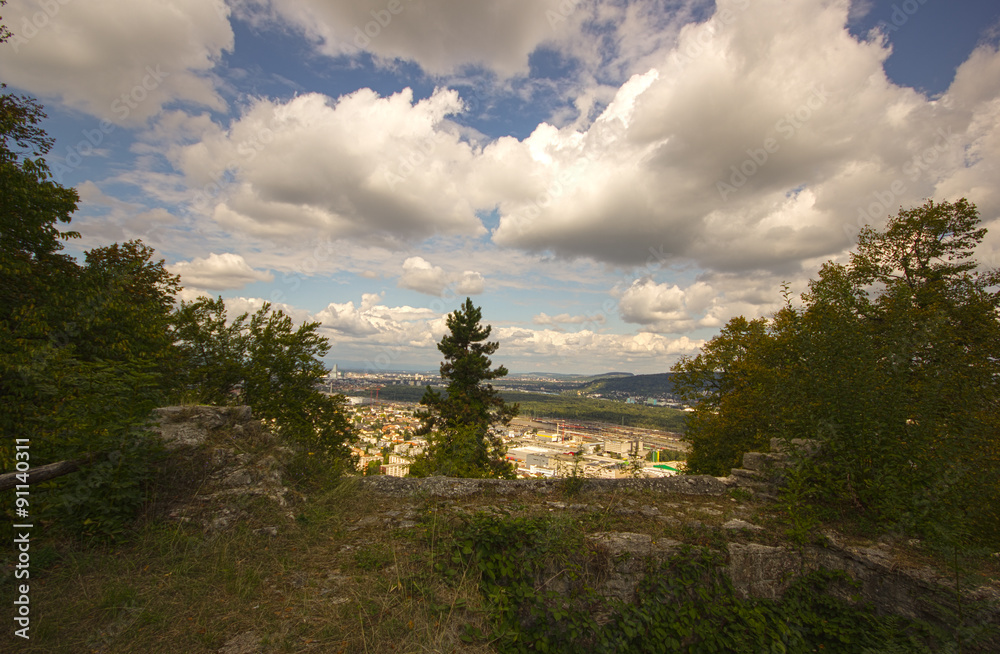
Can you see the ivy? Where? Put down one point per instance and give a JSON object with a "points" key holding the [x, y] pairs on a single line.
{"points": [[683, 604]]}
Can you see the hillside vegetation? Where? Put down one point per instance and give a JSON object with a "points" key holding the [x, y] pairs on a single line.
{"points": [[213, 566], [570, 406]]}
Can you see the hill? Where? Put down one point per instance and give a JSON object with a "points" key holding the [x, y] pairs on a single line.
{"points": [[655, 385], [250, 548], [568, 405]]}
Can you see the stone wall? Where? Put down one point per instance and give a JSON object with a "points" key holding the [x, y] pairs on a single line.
{"points": [[756, 570]]}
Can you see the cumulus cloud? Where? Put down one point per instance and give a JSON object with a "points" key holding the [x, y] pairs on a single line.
{"points": [[529, 348], [421, 276], [567, 319], [666, 308], [118, 60], [378, 170], [442, 37], [758, 142], [219, 272], [347, 319]]}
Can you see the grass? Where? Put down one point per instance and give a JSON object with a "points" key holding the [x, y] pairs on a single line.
{"points": [[337, 578], [347, 571]]}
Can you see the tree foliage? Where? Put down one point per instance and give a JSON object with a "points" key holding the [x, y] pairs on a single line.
{"points": [[459, 423], [272, 365], [891, 360], [85, 351]]}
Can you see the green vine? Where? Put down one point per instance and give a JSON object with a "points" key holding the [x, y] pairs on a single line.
{"points": [[539, 597]]}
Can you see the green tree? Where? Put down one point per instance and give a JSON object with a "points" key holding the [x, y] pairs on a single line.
{"points": [[732, 384], [459, 424], [890, 360], [275, 367], [84, 350]]}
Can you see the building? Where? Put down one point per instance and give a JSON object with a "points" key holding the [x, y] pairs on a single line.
{"points": [[395, 469]]}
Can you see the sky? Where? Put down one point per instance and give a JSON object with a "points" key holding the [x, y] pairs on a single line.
{"points": [[609, 180]]}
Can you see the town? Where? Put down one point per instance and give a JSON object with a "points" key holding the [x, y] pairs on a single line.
{"points": [[538, 447]]}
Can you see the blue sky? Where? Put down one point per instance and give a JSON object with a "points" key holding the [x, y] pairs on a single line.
{"points": [[611, 181]]}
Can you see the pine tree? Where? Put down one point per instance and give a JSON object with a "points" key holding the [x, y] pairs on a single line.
{"points": [[459, 424]]}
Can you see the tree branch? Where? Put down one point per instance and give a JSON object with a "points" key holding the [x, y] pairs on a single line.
{"points": [[41, 473]]}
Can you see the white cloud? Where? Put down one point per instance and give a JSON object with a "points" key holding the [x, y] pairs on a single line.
{"points": [[668, 309], [441, 36], [421, 276], [567, 319], [347, 319], [378, 170], [586, 350], [755, 144], [118, 60], [219, 272]]}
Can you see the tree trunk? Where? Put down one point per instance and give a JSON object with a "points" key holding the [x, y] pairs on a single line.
{"points": [[40, 474]]}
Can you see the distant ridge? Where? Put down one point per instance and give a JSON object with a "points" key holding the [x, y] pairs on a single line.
{"points": [[571, 377], [655, 384]]}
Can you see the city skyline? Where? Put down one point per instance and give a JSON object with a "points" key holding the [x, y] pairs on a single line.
{"points": [[610, 181]]}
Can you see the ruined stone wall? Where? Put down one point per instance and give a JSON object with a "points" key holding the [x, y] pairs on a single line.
{"points": [[756, 570]]}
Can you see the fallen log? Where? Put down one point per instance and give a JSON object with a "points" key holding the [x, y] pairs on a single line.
{"points": [[40, 474]]}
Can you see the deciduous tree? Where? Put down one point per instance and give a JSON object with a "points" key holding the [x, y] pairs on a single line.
{"points": [[275, 366], [891, 360]]}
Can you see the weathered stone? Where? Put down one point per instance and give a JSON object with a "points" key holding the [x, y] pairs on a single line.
{"points": [[761, 571], [246, 643], [802, 446], [756, 461], [626, 555], [238, 477], [452, 487], [736, 524], [181, 426]]}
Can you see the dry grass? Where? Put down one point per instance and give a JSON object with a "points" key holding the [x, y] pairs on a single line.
{"points": [[350, 572], [340, 577]]}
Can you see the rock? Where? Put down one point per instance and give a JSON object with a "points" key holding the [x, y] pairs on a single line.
{"points": [[452, 487], [761, 571], [181, 426], [626, 554], [737, 524], [246, 643]]}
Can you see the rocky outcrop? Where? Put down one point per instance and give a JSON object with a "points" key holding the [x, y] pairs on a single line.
{"points": [[220, 441], [452, 487], [189, 426], [762, 472], [765, 572]]}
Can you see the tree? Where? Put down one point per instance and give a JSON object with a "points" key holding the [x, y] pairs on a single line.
{"points": [[459, 424], [84, 350], [732, 396], [891, 361], [274, 366]]}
